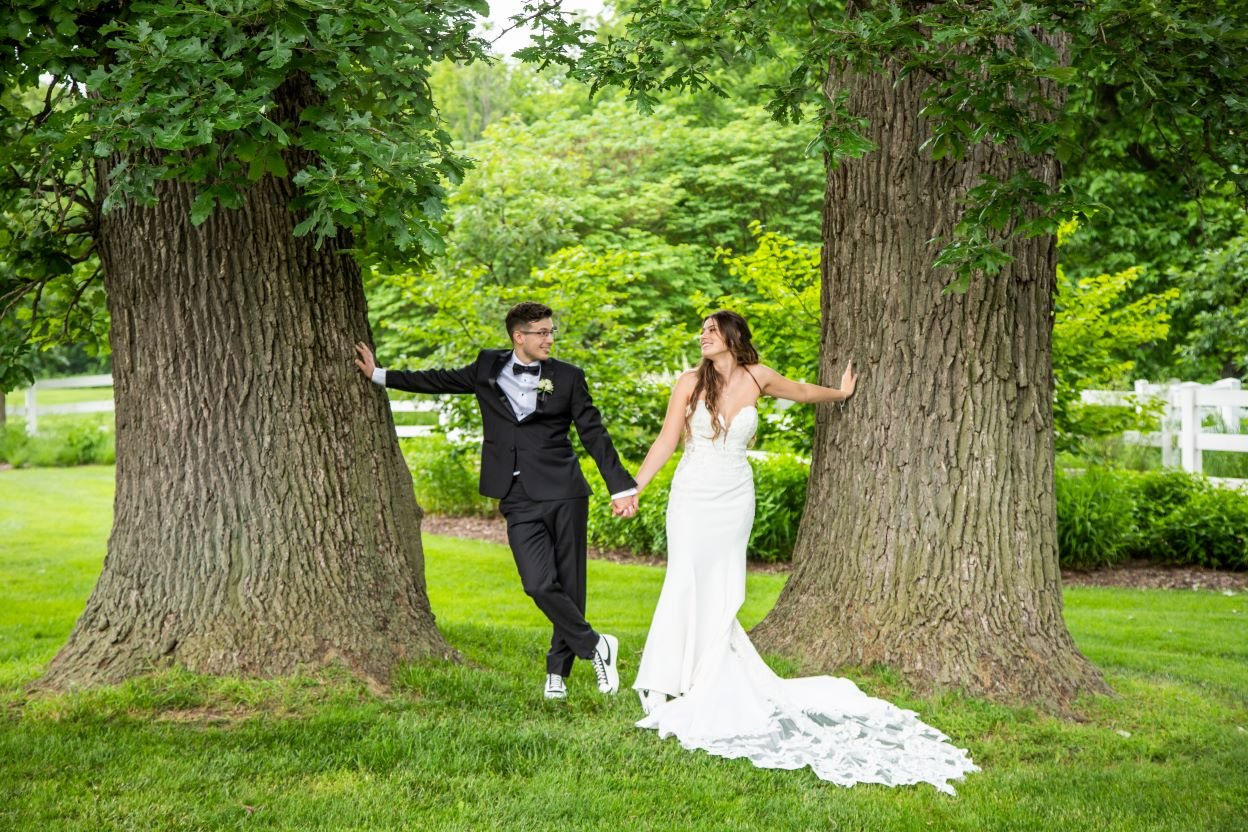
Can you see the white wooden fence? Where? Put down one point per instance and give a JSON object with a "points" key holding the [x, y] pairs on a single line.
{"points": [[33, 410], [1184, 409]]}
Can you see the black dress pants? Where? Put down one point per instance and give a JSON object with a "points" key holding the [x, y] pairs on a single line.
{"points": [[548, 539]]}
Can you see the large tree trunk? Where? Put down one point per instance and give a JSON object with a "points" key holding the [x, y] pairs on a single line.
{"points": [[264, 517], [929, 538]]}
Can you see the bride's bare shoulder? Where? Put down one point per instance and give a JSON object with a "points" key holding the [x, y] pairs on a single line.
{"points": [[761, 373]]}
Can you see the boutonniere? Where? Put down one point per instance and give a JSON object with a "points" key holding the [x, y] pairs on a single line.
{"points": [[545, 387]]}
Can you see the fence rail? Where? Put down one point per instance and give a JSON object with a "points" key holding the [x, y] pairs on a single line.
{"points": [[33, 410], [1184, 408]]}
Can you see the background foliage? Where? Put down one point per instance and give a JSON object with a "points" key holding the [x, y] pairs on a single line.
{"points": [[635, 223]]}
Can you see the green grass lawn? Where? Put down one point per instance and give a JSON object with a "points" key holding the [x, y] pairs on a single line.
{"points": [[473, 745]]}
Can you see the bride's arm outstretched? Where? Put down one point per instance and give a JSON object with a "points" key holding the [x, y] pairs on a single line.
{"points": [[777, 386], [669, 437]]}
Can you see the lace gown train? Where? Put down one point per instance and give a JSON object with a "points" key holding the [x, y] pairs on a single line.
{"points": [[727, 701]]}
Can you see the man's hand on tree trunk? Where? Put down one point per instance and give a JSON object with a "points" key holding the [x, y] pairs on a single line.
{"points": [[365, 361]]}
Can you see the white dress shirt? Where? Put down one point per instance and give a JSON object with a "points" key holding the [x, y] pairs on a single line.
{"points": [[520, 388]]}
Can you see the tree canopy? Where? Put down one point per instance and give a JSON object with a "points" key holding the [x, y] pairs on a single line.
{"points": [[1165, 77]]}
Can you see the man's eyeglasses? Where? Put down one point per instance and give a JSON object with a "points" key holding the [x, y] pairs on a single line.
{"points": [[540, 333]]}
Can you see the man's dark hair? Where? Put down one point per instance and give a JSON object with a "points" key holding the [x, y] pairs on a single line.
{"points": [[527, 313]]}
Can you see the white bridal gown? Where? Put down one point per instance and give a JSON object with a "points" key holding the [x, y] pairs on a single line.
{"points": [[727, 700]]}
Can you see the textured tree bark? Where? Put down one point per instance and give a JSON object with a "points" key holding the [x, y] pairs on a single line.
{"points": [[264, 517], [929, 538]]}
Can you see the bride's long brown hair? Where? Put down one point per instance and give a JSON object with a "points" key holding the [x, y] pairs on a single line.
{"points": [[710, 385]]}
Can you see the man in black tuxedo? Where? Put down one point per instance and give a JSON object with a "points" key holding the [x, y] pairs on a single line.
{"points": [[528, 401]]}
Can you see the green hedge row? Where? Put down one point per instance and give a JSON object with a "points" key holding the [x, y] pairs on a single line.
{"points": [[445, 476], [1107, 515], [77, 441], [1104, 516]]}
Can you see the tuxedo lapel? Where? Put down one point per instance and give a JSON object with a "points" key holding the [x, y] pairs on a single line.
{"points": [[500, 361], [548, 372]]}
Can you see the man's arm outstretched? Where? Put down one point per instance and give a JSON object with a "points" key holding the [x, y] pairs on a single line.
{"points": [[416, 381]]}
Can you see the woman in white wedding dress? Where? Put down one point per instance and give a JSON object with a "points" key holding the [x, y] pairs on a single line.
{"points": [[700, 679]]}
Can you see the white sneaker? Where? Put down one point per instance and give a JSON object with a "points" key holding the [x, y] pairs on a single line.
{"points": [[605, 668], [651, 699], [555, 688]]}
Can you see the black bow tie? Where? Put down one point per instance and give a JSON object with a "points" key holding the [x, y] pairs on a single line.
{"points": [[520, 368]]}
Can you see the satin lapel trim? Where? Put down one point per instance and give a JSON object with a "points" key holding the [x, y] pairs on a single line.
{"points": [[499, 363], [547, 372]]}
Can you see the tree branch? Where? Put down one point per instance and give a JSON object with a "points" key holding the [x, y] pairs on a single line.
{"points": [[549, 6], [73, 302]]}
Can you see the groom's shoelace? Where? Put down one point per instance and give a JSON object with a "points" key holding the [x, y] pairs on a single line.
{"points": [[600, 667]]}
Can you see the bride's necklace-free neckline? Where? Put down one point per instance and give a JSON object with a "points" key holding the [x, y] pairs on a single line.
{"points": [[728, 423]]}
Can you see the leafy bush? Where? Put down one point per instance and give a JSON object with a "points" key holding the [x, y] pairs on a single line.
{"points": [[1095, 518], [1158, 494], [780, 498], [1106, 515], [1211, 529], [446, 476], [643, 534], [1098, 329], [80, 440]]}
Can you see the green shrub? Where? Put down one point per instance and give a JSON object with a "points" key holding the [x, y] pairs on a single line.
{"points": [[1160, 492], [64, 441], [1157, 495], [1106, 515], [780, 498], [1095, 517], [446, 476], [12, 438], [1210, 529], [643, 534]]}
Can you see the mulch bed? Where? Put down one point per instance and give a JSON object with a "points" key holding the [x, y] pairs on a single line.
{"points": [[1132, 575], [1143, 574]]}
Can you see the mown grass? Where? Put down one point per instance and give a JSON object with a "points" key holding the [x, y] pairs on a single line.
{"points": [[473, 745]]}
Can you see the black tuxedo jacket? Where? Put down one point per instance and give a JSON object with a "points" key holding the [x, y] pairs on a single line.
{"points": [[538, 447]]}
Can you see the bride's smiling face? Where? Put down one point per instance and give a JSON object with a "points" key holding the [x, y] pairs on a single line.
{"points": [[711, 340]]}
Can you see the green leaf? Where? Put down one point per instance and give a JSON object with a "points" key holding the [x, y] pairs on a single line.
{"points": [[202, 208]]}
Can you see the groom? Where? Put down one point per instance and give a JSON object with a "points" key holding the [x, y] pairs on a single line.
{"points": [[528, 401]]}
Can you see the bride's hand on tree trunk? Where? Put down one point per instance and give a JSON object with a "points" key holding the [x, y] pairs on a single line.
{"points": [[849, 380]]}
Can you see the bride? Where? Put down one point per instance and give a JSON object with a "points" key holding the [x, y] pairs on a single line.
{"points": [[700, 678]]}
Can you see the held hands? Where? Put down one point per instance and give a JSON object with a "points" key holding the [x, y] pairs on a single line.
{"points": [[624, 506], [365, 361]]}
